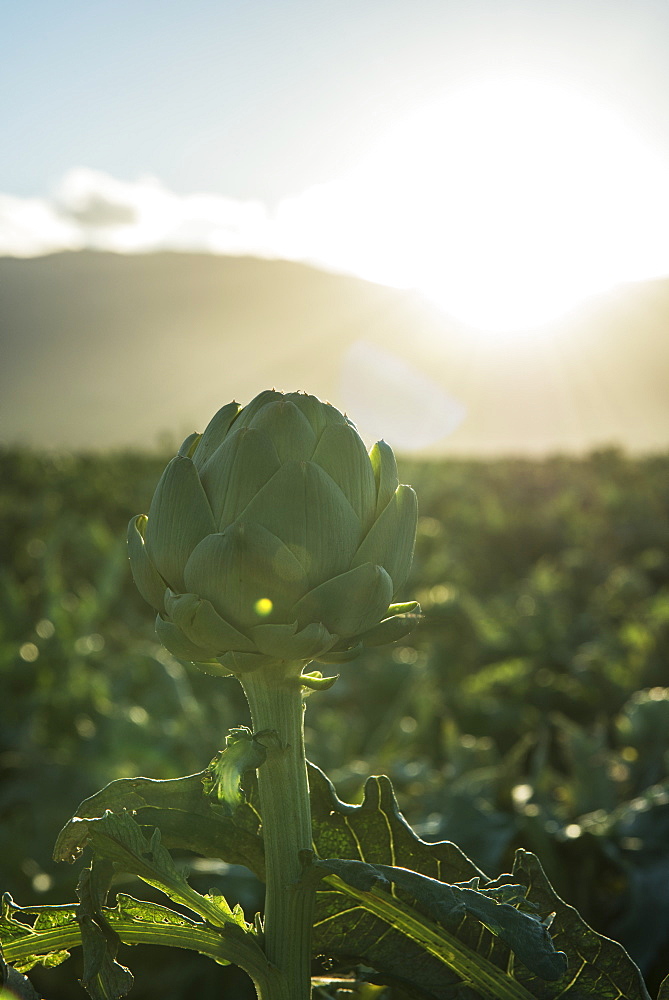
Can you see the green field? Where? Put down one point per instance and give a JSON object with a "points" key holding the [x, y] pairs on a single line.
{"points": [[530, 707]]}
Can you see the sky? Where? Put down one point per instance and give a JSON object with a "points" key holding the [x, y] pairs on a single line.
{"points": [[508, 159]]}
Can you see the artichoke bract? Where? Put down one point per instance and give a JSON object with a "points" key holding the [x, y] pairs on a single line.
{"points": [[273, 537]]}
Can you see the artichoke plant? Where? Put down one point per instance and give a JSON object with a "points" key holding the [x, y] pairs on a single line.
{"points": [[274, 537]]}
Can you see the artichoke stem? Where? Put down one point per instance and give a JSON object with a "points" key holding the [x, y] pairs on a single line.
{"points": [[276, 703]]}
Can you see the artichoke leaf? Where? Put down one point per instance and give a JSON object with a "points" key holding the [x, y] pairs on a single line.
{"points": [[340, 655], [180, 608], [179, 518], [320, 415], [200, 623], [350, 603], [176, 642], [341, 453], [390, 540], [315, 681], [385, 473], [390, 630], [147, 579], [214, 668], [215, 432], [247, 574], [286, 642], [262, 399], [189, 445], [303, 507], [245, 663], [239, 467], [404, 608], [290, 431]]}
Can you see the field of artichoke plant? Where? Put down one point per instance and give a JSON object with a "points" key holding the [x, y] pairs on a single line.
{"points": [[524, 719]]}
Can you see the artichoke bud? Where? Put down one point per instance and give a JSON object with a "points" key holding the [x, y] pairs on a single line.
{"points": [[274, 538]]}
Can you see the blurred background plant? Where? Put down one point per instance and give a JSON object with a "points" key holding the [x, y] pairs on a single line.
{"points": [[531, 707]]}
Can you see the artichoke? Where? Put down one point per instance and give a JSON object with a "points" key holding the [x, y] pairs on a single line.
{"points": [[274, 537]]}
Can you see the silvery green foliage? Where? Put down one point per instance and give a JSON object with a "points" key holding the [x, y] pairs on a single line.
{"points": [[275, 537]]}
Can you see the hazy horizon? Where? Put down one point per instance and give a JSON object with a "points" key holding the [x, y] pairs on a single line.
{"points": [[111, 350]]}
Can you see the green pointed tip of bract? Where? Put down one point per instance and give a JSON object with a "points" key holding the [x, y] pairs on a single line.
{"points": [[273, 538], [148, 580], [391, 629], [188, 447], [314, 681]]}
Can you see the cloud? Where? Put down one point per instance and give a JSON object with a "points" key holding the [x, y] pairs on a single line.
{"points": [[97, 201], [335, 224], [332, 225], [90, 208], [499, 241], [33, 226]]}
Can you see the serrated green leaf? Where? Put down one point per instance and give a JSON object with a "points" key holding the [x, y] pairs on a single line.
{"points": [[183, 794], [48, 959], [103, 977], [118, 838], [222, 779], [14, 985], [11, 929], [375, 832], [51, 917], [39, 947], [448, 904], [143, 911], [233, 839], [232, 930], [136, 921], [599, 967], [480, 963], [187, 820], [234, 915]]}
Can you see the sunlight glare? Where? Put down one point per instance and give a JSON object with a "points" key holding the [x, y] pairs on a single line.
{"points": [[394, 400], [508, 202]]}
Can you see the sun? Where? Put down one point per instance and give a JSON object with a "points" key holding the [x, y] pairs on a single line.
{"points": [[509, 201]]}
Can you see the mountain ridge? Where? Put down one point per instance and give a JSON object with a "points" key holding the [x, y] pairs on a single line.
{"points": [[110, 350]]}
